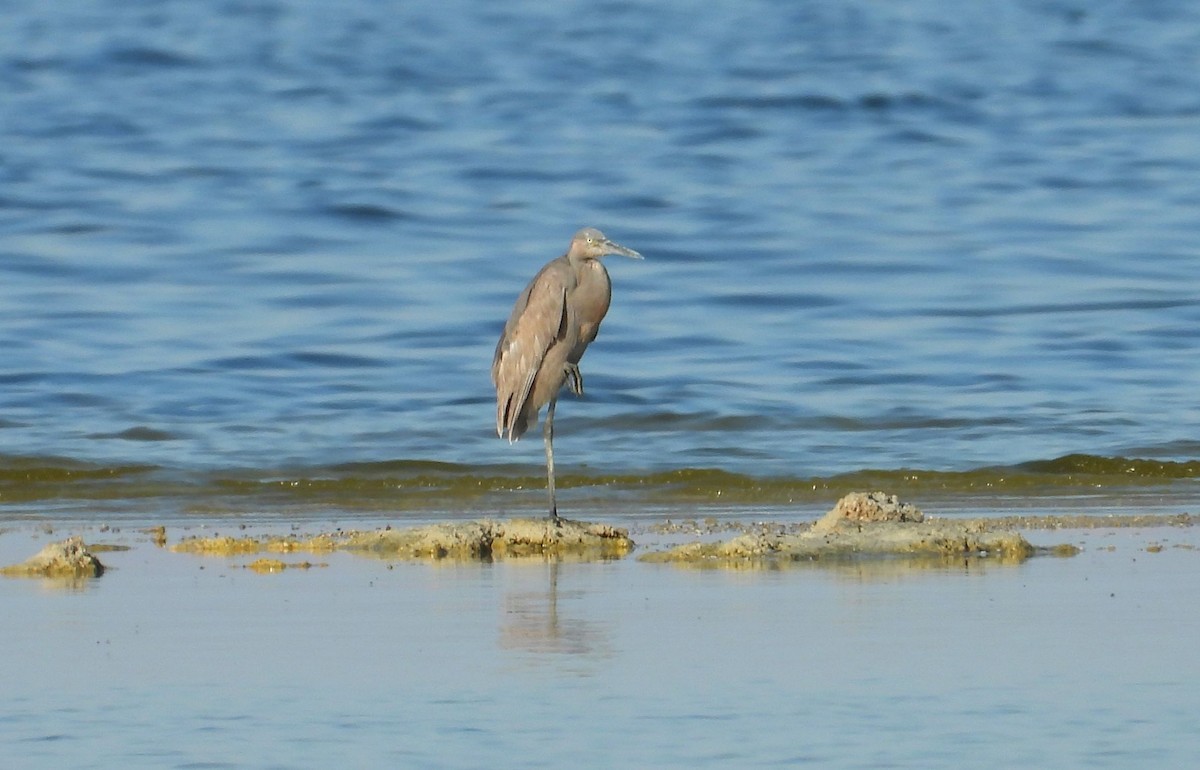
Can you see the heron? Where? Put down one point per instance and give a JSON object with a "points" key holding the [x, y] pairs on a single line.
{"points": [[554, 320]]}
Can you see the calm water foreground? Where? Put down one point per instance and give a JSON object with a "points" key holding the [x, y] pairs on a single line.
{"points": [[175, 660]]}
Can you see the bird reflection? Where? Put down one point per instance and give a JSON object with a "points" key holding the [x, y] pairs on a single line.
{"points": [[534, 622]]}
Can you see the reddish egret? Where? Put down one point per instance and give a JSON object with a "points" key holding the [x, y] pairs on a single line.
{"points": [[556, 317]]}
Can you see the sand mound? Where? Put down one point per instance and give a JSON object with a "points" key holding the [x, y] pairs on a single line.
{"points": [[863, 526], [497, 539], [70, 558], [225, 545], [467, 540], [863, 507]]}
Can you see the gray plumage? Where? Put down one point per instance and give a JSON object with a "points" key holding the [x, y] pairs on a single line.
{"points": [[554, 320]]}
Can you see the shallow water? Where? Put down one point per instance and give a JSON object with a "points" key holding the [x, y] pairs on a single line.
{"points": [[262, 235], [175, 660]]}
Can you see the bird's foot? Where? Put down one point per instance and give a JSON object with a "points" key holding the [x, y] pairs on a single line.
{"points": [[574, 379]]}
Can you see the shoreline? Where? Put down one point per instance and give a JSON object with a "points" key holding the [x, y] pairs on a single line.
{"points": [[710, 541]]}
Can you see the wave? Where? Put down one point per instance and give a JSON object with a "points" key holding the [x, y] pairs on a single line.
{"points": [[430, 485]]}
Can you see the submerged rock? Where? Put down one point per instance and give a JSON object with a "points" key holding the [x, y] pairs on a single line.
{"points": [[70, 558], [864, 526]]}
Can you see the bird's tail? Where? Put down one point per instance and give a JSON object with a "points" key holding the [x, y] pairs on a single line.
{"points": [[510, 423]]}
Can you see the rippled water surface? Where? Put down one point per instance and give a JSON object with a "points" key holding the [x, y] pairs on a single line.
{"points": [[256, 235]]}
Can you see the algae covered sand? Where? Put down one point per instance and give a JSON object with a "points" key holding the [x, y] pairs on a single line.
{"points": [[486, 539], [69, 558], [228, 545], [265, 565], [860, 526], [499, 539]]}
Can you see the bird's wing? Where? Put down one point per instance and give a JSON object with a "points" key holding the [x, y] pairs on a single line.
{"points": [[539, 318]]}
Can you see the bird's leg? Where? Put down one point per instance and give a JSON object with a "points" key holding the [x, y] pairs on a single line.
{"points": [[548, 436], [574, 379]]}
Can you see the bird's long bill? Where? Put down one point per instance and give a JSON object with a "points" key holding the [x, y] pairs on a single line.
{"points": [[616, 248]]}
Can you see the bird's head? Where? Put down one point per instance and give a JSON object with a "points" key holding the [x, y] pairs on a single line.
{"points": [[590, 243]]}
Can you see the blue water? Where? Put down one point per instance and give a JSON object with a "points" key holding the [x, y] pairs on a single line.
{"points": [[877, 235]]}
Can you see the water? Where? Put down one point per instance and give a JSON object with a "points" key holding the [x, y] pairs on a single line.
{"points": [[172, 660], [258, 235], [254, 258]]}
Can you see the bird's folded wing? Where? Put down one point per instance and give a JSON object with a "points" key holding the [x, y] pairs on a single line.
{"points": [[539, 320]]}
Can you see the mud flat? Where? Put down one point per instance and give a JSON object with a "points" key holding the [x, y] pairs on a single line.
{"points": [[498, 539], [863, 526], [226, 545], [483, 540]]}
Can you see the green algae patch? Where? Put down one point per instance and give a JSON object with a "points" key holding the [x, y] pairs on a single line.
{"points": [[323, 543], [107, 547], [67, 559], [226, 545], [265, 566], [220, 545], [158, 535], [865, 526], [489, 539]]}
